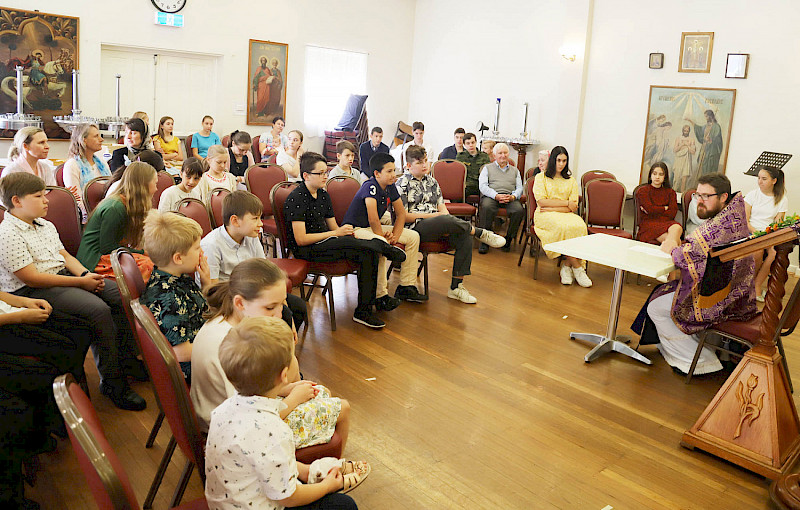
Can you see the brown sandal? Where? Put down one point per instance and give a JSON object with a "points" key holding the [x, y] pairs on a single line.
{"points": [[353, 473]]}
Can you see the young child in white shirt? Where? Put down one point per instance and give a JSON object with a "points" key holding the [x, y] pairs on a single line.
{"points": [[191, 173], [250, 458], [217, 175]]}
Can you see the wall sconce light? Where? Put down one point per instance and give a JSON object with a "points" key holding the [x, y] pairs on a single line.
{"points": [[571, 58]]}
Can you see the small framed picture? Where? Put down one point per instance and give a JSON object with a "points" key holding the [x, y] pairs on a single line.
{"points": [[736, 66], [695, 56], [656, 60]]}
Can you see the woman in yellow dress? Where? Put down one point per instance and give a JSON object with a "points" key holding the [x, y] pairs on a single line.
{"points": [[556, 193]]}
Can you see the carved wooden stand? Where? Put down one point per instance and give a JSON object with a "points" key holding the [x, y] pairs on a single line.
{"points": [[752, 420]]}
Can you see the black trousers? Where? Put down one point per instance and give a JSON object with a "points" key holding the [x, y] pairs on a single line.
{"points": [[334, 501], [113, 341], [299, 310], [27, 413], [458, 230], [489, 208], [363, 252], [61, 341]]}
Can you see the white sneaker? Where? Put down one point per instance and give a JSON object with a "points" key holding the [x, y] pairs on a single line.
{"points": [[462, 294], [492, 239], [566, 275], [581, 277]]}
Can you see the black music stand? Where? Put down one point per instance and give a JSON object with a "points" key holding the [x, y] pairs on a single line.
{"points": [[775, 159]]}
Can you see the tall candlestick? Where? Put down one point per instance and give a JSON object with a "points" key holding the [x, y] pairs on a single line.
{"points": [[75, 107], [497, 116], [117, 99], [19, 88], [525, 120]]}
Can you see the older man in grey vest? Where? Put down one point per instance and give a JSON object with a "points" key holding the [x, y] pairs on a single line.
{"points": [[501, 186]]}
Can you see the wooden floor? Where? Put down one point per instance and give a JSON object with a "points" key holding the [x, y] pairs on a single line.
{"points": [[482, 406]]}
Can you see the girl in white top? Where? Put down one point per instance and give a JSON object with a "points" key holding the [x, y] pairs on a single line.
{"points": [[764, 205], [29, 153], [289, 158], [84, 164], [191, 173], [257, 288], [217, 175]]}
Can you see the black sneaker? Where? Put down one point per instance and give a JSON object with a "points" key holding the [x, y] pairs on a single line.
{"points": [[123, 397], [484, 248], [507, 247], [368, 319], [135, 369], [386, 303], [409, 293], [394, 254]]}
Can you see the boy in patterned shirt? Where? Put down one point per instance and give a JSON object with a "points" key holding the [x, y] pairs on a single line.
{"points": [[425, 210], [173, 243], [250, 452]]}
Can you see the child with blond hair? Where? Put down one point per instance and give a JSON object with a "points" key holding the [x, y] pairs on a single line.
{"points": [[250, 460], [217, 175], [177, 303]]}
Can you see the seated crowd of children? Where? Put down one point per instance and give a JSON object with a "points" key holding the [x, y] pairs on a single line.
{"points": [[219, 301]]}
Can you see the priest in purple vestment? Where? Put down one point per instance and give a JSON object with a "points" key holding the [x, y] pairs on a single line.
{"points": [[708, 291]]}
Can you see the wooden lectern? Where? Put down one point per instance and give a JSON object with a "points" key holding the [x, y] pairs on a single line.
{"points": [[752, 420]]}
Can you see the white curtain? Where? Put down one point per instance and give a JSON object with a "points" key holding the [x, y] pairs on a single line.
{"points": [[331, 76]]}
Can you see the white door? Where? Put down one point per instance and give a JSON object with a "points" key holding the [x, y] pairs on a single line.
{"points": [[186, 90], [137, 88], [180, 85]]}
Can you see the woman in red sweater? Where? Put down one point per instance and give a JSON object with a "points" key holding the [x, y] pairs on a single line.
{"points": [[658, 203]]}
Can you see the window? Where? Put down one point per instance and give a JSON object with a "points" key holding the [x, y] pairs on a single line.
{"points": [[331, 76]]}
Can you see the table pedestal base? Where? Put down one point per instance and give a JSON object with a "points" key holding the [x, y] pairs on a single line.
{"points": [[605, 345]]}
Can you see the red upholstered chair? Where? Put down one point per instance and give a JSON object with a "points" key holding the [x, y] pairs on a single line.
{"points": [[215, 205], [342, 190], [63, 212], [165, 181], [452, 176], [188, 143], [95, 191], [260, 179], [60, 175], [196, 210], [586, 179], [686, 199], [271, 159], [104, 473], [226, 140], [427, 248], [131, 286], [605, 201], [637, 212], [530, 234], [255, 151], [328, 270], [747, 334], [172, 392]]}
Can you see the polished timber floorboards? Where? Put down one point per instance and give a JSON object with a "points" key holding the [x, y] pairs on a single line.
{"points": [[481, 406]]}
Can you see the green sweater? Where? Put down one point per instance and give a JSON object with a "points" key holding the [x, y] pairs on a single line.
{"points": [[474, 165], [103, 233]]}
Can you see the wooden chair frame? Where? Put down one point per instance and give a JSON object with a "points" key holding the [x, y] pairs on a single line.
{"points": [[789, 310]]}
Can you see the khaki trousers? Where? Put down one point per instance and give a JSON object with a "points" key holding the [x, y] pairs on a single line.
{"points": [[408, 269]]}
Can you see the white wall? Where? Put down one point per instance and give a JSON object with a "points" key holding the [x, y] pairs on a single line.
{"points": [[386, 33], [765, 115], [467, 53], [766, 112]]}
